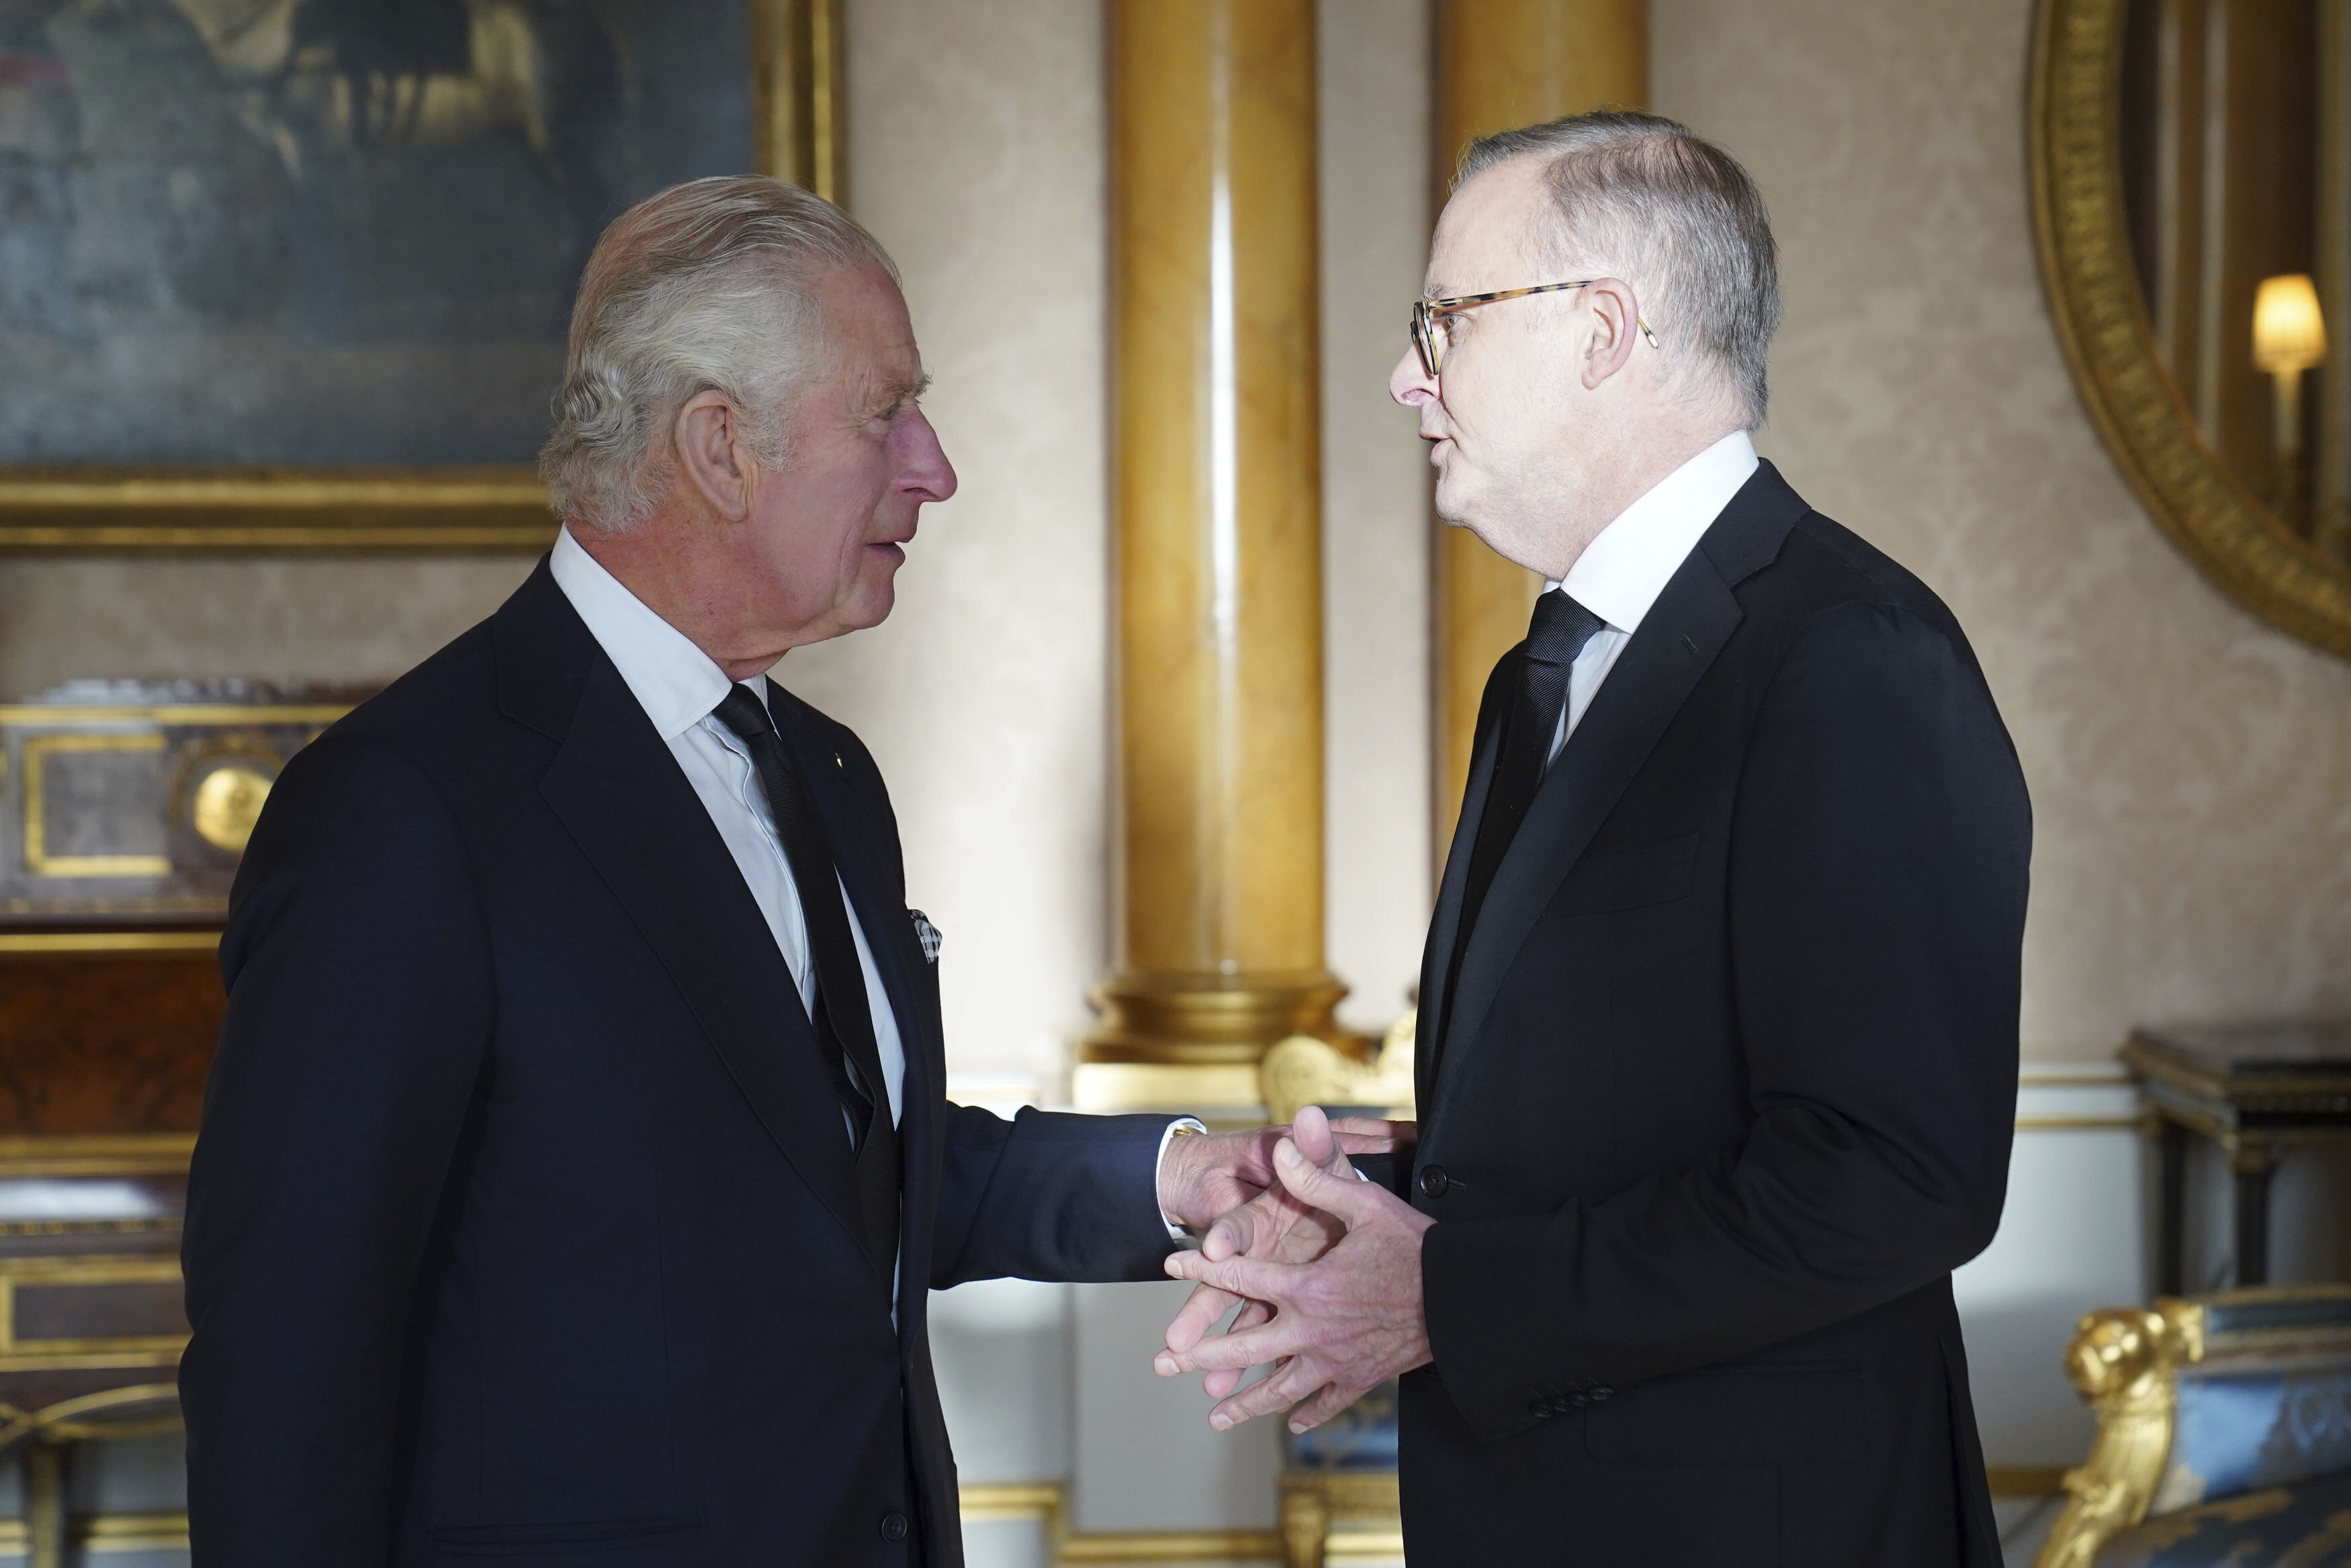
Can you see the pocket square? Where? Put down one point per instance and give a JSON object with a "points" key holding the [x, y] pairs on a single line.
{"points": [[925, 933]]}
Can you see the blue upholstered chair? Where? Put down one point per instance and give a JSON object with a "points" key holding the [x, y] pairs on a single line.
{"points": [[2224, 1434]]}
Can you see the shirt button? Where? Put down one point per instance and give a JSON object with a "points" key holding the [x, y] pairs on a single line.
{"points": [[895, 1527], [1434, 1181]]}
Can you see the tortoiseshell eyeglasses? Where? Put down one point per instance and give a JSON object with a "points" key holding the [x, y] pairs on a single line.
{"points": [[1426, 312]]}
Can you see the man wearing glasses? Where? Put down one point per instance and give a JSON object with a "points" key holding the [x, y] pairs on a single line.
{"points": [[1718, 1013]]}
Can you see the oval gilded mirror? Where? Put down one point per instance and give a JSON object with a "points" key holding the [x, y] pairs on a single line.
{"points": [[2191, 173]]}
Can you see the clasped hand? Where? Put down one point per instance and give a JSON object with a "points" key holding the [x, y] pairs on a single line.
{"points": [[1324, 1268]]}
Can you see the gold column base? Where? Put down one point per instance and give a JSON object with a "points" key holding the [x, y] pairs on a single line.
{"points": [[1195, 1041], [1208, 1020]]}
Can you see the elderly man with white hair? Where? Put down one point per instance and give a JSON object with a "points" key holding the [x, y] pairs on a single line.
{"points": [[1718, 1015], [577, 1157]]}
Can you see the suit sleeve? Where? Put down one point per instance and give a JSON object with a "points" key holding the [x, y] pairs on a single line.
{"points": [[1877, 873], [1049, 1196], [360, 1008]]}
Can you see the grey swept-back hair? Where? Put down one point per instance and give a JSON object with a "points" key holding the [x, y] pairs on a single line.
{"points": [[1674, 216], [707, 286]]}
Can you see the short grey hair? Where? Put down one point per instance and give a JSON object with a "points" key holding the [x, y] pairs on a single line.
{"points": [[708, 285], [1674, 215]]}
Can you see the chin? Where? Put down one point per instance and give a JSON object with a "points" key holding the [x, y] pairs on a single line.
{"points": [[1454, 504], [872, 605]]}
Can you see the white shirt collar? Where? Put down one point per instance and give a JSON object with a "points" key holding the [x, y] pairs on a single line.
{"points": [[673, 681], [1622, 572]]}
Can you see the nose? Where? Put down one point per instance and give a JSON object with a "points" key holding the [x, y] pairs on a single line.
{"points": [[1410, 383], [923, 471]]}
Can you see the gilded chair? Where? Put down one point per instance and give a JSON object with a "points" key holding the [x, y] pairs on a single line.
{"points": [[2224, 1434]]}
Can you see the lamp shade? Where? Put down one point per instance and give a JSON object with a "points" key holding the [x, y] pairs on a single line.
{"points": [[2288, 336]]}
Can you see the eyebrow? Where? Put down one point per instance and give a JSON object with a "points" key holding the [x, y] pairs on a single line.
{"points": [[895, 394]]}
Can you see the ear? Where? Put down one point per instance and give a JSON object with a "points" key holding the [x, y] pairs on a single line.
{"points": [[707, 436], [1614, 320]]}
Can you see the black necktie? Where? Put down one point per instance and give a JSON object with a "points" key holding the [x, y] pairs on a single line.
{"points": [[844, 1024], [1556, 634]]}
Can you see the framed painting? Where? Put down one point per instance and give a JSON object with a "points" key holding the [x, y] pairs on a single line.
{"points": [[295, 274]]}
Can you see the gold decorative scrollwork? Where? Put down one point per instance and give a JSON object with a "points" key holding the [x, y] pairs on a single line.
{"points": [[2102, 320], [1304, 1071], [2124, 1361]]}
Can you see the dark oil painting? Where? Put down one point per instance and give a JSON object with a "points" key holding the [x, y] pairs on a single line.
{"points": [[319, 233]]}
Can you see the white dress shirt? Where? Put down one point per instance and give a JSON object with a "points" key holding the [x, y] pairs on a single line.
{"points": [[679, 688], [1622, 572]]}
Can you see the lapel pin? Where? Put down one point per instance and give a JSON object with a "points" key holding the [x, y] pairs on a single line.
{"points": [[837, 762]]}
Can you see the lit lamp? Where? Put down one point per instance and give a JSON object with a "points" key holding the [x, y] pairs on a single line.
{"points": [[2288, 338]]}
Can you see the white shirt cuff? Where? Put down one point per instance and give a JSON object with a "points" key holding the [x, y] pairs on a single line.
{"points": [[1174, 1232]]}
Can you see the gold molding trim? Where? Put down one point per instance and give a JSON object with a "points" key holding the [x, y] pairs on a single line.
{"points": [[798, 114], [21, 943], [2078, 1124], [1047, 1501], [39, 749], [70, 1420], [311, 510], [39, 715], [111, 1350], [2075, 130], [95, 1154], [98, 1534]]}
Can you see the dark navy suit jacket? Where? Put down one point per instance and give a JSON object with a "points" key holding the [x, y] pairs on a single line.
{"points": [[1723, 1089], [522, 1225]]}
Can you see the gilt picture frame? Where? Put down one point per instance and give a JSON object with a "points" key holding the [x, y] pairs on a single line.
{"points": [[2075, 137], [385, 170]]}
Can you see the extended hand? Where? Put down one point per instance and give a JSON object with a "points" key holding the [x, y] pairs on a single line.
{"points": [[1205, 1179], [1274, 1226], [1343, 1324]]}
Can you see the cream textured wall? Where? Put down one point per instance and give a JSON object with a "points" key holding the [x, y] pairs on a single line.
{"points": [[976, 138], [2190, 769], [1374, 140]]}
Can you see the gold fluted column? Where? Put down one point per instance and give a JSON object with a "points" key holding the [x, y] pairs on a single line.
{"points": [[1217, 839], [1500, 64]]}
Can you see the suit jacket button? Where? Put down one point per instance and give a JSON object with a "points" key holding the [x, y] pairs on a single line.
{"points": [[1433, 1181], [1539, 1409], [895, 1527], [1578, 1399], [1600, 1392]]}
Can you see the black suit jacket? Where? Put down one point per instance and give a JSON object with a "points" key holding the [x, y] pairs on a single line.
{"points": [[1724, 1088], [522, 1225]]}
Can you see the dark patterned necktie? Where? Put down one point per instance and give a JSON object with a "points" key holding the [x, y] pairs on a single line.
{"points": [[844, 1021], [1556, 634]]}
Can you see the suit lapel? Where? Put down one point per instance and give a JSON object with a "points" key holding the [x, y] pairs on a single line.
{"points": [[1677, 642], [621, 796], [1437, 960]]}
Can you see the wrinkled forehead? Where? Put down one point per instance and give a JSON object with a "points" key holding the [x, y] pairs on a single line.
{"points": [[872, 334], [1485, 238]]}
